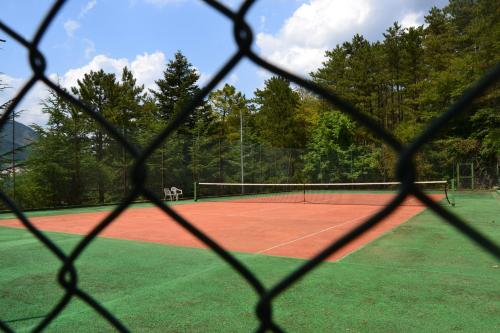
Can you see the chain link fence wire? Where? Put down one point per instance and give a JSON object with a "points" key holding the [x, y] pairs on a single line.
{"points": [[68, 275]]}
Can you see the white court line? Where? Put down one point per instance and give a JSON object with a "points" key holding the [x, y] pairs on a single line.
{"points": [[313, 234]]}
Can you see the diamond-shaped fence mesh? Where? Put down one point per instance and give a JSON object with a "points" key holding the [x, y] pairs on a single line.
{"points": [[68, 275]]}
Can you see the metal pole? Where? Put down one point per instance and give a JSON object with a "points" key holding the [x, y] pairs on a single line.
{"points": [[498, 172], [352, 167], [124, 160], [13, 155], [162, 169], [241, 154], [472, 174], [453, 188]]}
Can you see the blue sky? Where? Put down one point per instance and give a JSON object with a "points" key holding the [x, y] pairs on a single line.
{"points": [[144, 35]]}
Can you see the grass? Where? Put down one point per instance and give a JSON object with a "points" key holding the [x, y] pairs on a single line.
{"points": [[423, 276]]}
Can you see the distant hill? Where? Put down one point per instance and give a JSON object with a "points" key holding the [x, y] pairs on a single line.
{"points": [[23, 135]]}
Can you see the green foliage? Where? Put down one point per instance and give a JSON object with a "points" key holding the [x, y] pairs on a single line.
{"points": [[278, 121], [229, 108], [416, 74], [57, 162], [177, 86], [174, 160], [332, 153], [403, 82], [281, 130], [486, 123]]}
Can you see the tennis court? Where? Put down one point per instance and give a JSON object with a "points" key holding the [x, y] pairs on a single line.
{"points": [[255, 224], [422, 267]]}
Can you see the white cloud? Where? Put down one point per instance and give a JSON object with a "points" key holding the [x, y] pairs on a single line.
{"points": [[30, 109], [109, 65], [412, 20], [146, 68], [320, 22], [312, 29], [319, 25], [300, 59], [70, 26], [88, 7]]}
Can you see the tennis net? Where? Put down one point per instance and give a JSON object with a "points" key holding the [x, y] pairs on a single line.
{"points": [[331, 193]]}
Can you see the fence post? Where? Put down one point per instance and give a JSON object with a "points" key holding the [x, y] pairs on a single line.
{"points": [[472, 175], [453, 192]]}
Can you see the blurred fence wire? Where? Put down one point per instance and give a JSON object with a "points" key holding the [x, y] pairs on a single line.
{"points": [[243, 34]]}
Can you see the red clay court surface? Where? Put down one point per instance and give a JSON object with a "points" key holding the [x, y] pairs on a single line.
{"points": [[282, 229]]}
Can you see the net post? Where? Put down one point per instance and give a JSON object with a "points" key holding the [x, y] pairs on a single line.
{"points": [[304, 192], [195, 192]]}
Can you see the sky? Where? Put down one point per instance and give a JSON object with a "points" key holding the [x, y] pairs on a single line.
{"points": [[144, 35]]}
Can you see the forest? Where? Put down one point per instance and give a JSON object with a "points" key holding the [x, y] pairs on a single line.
{"points": [[404, 81]]}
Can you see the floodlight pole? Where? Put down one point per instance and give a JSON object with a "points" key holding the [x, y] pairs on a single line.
{"points": [[13, 154], [241, 153]]}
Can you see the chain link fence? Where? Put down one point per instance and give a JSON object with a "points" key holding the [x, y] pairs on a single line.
{"points": [[243, 34]]}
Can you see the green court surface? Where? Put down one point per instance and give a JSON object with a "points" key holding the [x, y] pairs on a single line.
{"points": [[421, 277], [85, 209]]}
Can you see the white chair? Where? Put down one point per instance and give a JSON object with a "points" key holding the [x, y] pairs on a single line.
{"points": [[176, 192], [168, 194]]}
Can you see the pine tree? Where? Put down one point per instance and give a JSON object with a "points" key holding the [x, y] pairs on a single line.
{"points": [[277, 120], [177, 87], [279, 126], [203, 151], [59, 166], [228, 105], [101, 92], [394, 58]]}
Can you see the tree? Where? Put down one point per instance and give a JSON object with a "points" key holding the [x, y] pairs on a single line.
{"points": [[205, 165], [130, 106], [394, 58], [177, 87], [228, 105], [403, 82], [59, 166], [277, 119], [280, 127], [332, 152], [413, 69], [174, 90], [101, 92]]}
